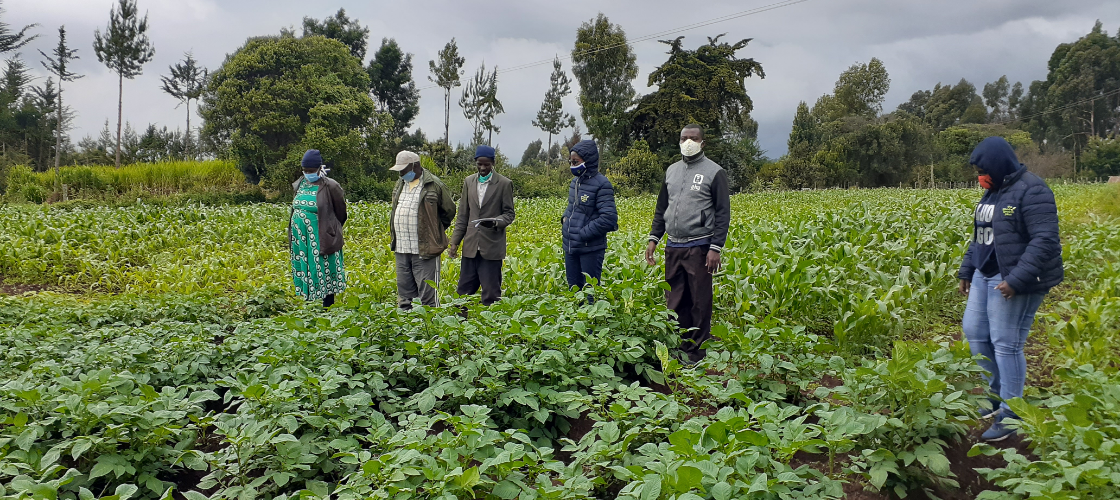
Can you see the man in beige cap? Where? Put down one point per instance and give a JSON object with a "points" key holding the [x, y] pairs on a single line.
{"points": [[422, 211]]}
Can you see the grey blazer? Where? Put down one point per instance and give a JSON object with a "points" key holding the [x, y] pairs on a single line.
{"points": [[487, 242]]}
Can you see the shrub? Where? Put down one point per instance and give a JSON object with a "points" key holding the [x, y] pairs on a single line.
{"points": [[638, 172], [142, 180]]}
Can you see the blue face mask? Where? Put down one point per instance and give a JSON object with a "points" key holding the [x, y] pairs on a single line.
{"points": [[311, 177], [578, 170], [410, 176], [485, 178]]}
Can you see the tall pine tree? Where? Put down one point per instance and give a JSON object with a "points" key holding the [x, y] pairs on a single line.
{"points": [[551, 118], [186, 83], [56, 63], [124, 48]]}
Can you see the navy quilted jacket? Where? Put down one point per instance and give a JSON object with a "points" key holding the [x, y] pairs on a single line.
{"points": [[1025, 222], [591, 212]]}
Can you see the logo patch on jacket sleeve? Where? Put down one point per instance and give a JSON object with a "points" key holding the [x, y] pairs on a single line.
{"points": [[1009, 211], [583, 198]]}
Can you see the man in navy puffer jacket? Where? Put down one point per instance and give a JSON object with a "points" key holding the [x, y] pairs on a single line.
{"points": [[1015, 257], [590, 215]]}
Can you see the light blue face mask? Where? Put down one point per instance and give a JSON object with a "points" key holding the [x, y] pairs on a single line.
{"points": [[485, 178], [410, 176], [311, 177]]}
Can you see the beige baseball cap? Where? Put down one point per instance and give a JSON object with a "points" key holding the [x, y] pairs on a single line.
{"points": [[404, 159]]}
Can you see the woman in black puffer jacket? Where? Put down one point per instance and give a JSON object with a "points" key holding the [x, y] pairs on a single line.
{"points": [[1015, 257], [590, 215]]}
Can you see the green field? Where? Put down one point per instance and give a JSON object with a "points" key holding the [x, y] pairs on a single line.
{"points": [[161, 353]]}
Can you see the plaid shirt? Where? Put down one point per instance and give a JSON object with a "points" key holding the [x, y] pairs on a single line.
{"points": [[406, 220]]}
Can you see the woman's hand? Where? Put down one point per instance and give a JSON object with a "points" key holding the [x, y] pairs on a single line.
{"points": [[1005, 289], [964, 287]]}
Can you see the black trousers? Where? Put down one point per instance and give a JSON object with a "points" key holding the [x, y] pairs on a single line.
{"points": [[576, 265], [475, 273], [690, 295]]}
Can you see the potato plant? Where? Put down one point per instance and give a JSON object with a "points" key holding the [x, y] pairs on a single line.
{"points": [[168, 359]]}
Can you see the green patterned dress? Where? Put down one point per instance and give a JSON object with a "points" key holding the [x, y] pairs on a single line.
{"points": [[314, 275]]}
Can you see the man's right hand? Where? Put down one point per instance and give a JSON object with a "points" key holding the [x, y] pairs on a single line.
{"points": [[453, 250], [651, 252], [964, 287]]}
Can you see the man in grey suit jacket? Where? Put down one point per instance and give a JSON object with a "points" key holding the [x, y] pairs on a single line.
{"points": [[485, 210]]}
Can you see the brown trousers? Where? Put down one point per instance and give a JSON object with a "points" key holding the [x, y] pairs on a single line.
{"points": [[690, 295]]}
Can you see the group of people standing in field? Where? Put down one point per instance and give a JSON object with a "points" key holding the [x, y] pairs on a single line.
{"points": [[1012, 261], [692, 217]]}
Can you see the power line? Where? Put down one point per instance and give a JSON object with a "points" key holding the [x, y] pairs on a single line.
{"points": [[1067, 106], [701, 24]]}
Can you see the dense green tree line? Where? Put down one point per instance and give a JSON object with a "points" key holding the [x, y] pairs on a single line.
{"points": [[317, 89]]}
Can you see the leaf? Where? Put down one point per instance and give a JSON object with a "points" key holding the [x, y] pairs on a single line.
{"points": [[318, 488], [506, 490], [688, 478], [289, 423], [682, 441], [717, 432], [284, 438], [100, 469], [938, 464], [759, 484], [27, 438], [752, 437], [125, 491], [469, 478], [49, 458], [426, 402], [662, 353], [721, 491], [609, 432], [651, 487], [602, 371], [80, 446], [194, 495], [154, 484]]}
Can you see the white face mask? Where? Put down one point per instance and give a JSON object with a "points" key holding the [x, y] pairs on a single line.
{"points": [[691, 147]]}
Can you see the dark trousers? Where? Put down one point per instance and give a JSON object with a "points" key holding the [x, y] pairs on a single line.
{"points": [[328, 300], [590, 263], [690, 295], [478, 272]]}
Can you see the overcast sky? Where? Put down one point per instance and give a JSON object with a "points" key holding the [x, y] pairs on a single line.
{"points": [[802, 47]]}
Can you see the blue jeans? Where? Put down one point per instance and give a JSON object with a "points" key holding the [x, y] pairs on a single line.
{"points": [[997, 329], [576, 265]]}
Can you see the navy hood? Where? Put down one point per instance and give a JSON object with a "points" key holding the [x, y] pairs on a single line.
{"points": [[996, 157], [311, 159], [587, 150]]}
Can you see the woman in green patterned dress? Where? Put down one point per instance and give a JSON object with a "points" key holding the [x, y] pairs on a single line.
{"points": [[315, 232]]}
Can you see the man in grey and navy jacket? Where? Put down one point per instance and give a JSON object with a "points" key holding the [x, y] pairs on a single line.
{"points": [[590, 215], [694, 210]]}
